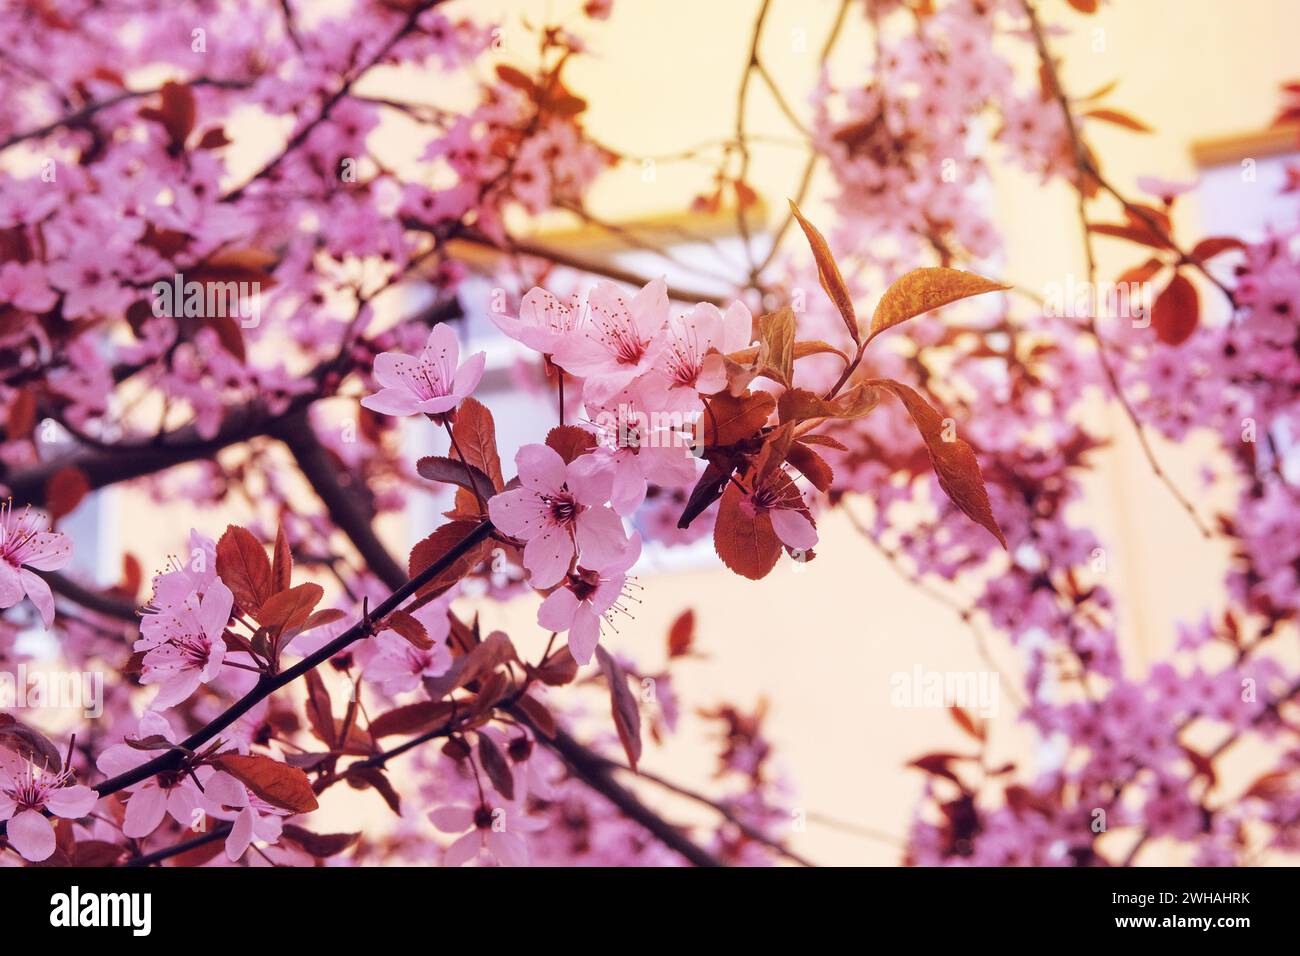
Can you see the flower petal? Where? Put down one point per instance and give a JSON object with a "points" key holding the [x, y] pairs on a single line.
{"points": [[556, 612], [392, 401], [601, 539], [71, 802], [793, 528], [540, 468], [32, 835], [547, 556]]}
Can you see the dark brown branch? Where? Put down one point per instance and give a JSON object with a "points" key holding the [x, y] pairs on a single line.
{"points": [[267, 685]]}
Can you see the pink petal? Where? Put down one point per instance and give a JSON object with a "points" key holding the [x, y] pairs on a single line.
{"points": [[392, 401], [11, 585], [601, 539], [509, 849], [71, 802], [540, 468], [144, 811], [519, 513], [452, 819], [241, 835], [442, 346], [40, 594], [547, 556], [649, 308], [214, 609], [386, 366], [584, 635], [628, 491], [556, 612], [590, 478], [48, 551], [469, 374], [793, 528], [32, 835], [463, 850]]}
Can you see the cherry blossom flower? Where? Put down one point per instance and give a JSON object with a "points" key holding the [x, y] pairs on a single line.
{"points": [[495, 831], [191, 576], [398, 665], [585, 599], [24, 545], [27, 793], [620, 340], [544, 321], [166, 793], [638, 447], [779, 500], [432, 384], [183, 644], [254, 818], [692, 362], [560, 512]]}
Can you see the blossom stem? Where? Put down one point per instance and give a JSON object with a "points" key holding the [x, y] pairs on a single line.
{"points": [[268, 685]]}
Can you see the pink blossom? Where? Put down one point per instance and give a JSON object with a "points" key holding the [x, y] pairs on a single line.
{"points": [[183, 644], [586, 599], [544, 321], [23, 545], [784, 507], [560, 512], [692, 361], [621, 339], [493, 830], [27, 793], [639, 448], [399, 666], [168, 793], [432, 384]]}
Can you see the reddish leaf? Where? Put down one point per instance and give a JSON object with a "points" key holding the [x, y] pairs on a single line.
{"points": [[365, 777], [29, 743], [1176, 311], [923, 290], [453, 471], [681, 635], [319, 845], [408, 628], [496, 767], [275, 782], [746, 543], [811, 465], [64, 491], [475, 434], [966, 722], [954, 461], [1213, 246], [282, 563], [570, 441], [287, 610], [829, 273], [21, 419], [541, 718], [623, 706], [320, 711], [432, 548], [1118, 118], [412, 719], [243, 566], [728, 420]]}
